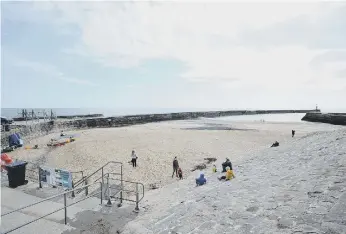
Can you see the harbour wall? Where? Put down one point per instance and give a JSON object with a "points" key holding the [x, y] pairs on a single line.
{"points": [[30, 131], [330, 118]]}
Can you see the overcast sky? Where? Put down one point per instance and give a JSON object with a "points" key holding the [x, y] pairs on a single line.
{"points": [[173, 55]]}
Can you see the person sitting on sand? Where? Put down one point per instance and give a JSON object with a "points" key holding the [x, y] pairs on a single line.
{"points": [[201, 180], [180, 173], [134, 158], [226, 164], [62, 133], [175, 167], [214, 169], [275, 144], [229, 175]]}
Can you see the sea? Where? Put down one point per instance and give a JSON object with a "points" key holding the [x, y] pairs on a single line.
{"points": [[108, 112]]}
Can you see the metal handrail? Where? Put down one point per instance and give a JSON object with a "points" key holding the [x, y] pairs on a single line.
{"points": [[41, 217], [102, 172], [122, 190], [132, 182], [46, 199], [49, 198]]}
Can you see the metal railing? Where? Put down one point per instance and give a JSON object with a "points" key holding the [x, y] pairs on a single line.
{"points": [[85, 187], [49, 198], [122, 190], [85, 179]]}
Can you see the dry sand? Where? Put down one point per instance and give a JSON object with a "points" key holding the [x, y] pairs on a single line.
{"points": [[157, 144]]}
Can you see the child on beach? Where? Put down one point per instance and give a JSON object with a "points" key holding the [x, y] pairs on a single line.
{"points": [[214, 169], [201, 180], [229, 175], [180, 173]]}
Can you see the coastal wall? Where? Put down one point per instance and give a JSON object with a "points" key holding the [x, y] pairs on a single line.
{"points": [[331, 118], [35, 130]]}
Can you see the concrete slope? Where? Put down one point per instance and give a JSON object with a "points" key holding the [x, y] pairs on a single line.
{"points": [[39, 227], [13, 199], [296, 188]]}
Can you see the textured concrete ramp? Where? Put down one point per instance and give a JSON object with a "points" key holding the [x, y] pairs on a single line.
{"points": [[299, 187], [39, 227], [14, 199]]}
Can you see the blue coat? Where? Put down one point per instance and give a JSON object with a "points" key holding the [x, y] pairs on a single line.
{"points": [[201, 180]]}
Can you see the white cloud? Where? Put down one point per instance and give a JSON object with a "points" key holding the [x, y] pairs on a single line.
{"points": [[205, 37], [50, 72]]}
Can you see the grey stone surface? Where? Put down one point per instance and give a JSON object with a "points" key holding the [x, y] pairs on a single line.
{"points": [[276, 191]]}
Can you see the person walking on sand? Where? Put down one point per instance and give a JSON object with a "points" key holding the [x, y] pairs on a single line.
{"points": [[175, 167], [134, 158], [293, 133]]}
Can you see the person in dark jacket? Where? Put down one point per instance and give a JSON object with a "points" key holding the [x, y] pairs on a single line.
{"points": [[226, 164], [275, 144], [293, 133], [175, 167]]}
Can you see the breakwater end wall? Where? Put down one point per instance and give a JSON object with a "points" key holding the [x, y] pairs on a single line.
{"points": [[39, 129], [330, 118]]}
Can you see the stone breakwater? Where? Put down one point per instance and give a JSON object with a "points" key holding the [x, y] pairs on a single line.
{"points": [[331, 118], [35, 130]]}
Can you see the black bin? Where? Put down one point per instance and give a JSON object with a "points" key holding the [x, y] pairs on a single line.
{"points": [[16, 173], [7, 127]]}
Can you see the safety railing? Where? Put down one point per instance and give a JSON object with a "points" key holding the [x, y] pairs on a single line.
{"points": [[50, 198], [123, 189], [101, 170]]}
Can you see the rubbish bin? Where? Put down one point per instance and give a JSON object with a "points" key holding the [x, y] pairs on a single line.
{"points": [[16, 173], [7, 128]]}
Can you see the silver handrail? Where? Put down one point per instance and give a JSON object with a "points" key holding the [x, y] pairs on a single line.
{"points": [[78, 183], [122, 190], [49, 198]]}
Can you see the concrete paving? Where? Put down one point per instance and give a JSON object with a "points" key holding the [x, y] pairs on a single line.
{"points": [[41, 226], [299, 187], [14, 199]]}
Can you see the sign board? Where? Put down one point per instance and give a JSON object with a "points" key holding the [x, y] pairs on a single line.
{"points": [[56, 177]]}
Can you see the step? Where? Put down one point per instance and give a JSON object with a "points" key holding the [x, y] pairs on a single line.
{"points": [[41, 226]]}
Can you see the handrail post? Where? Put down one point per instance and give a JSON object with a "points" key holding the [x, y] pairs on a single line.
{"points": [[121, 181], [101, 192], [137, 199], [102, 176], [39, 178], [109, 202], [65, 208], [72, 194], [86, 188]]}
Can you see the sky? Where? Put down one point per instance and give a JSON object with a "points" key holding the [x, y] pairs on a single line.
{"points": [[229, 55]]}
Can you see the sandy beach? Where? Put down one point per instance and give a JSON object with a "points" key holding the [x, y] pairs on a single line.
{"points": [[157, 144]]}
